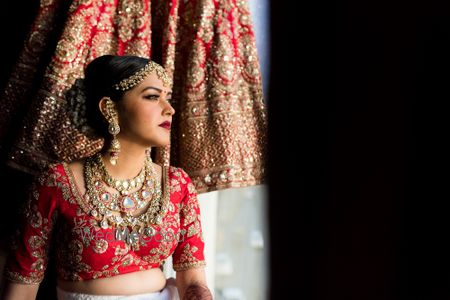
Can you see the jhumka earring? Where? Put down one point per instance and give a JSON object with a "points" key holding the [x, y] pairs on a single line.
{"points": [[114, 129]]}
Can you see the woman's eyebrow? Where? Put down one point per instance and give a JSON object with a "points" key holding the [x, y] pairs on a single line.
{"points": [[156, 89], [151, 87]]}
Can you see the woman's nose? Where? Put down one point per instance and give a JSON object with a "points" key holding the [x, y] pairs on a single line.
{"points": [[168, 109]]}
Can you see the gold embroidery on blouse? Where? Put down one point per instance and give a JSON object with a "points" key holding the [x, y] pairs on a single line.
{"points": [[194, 229], [189, 209], [33, 278], [191, 188], [38, 243], [188, 260], [188, 265], [175, 184], [100, 246], [162, 250]]}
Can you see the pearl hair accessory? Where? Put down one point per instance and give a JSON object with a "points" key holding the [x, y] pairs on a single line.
{"points": [[135, 79]]}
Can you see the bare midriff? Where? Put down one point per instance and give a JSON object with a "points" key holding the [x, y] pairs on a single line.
{"points": [[147, 281]]}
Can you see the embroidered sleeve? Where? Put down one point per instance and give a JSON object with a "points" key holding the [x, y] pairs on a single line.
{"points": [[189, 252], [28, 256]]}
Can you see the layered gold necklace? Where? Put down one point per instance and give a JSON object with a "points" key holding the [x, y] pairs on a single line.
{"points": [[133, 194]]}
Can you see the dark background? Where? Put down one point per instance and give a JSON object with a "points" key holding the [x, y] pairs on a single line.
{"points": [[358, 147], [15, 21], [359, 201]]}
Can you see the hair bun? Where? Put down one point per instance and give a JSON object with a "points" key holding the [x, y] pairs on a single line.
{"points": [[76, 104]]}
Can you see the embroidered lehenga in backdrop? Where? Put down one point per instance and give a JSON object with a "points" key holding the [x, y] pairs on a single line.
{"points": [[208, 47]]}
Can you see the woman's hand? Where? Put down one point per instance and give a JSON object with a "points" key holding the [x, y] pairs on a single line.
{"points": [[191, 285]]}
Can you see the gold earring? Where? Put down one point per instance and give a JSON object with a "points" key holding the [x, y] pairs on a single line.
{"points": [[114, 129]]}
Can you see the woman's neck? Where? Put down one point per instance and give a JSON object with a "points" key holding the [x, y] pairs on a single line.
{"points": [[130, 162]]}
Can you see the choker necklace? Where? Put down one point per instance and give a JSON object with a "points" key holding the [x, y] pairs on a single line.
{"points": [[124, 186]]}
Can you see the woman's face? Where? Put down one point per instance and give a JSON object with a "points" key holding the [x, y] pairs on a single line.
{"points": [[143, 111]]}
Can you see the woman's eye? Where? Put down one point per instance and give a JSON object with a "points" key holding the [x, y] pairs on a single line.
{"points": [[152, 97]]}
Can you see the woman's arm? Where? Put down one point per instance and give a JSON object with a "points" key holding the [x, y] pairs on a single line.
{"points": [[188, 257], [17, 291], [191, 285], [29, 246]]}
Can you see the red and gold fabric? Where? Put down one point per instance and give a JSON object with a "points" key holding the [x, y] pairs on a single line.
{"points": [[53, 217], [208, 47]]}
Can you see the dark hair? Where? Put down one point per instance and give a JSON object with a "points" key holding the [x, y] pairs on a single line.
{"points": [[99, 77]]}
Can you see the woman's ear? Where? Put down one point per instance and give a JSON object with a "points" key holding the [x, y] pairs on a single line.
{"points": [[102, 105]]}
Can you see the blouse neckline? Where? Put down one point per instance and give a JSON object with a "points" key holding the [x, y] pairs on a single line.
{"points": [[77, 193]]}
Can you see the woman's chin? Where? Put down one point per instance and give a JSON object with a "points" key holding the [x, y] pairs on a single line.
{"points": [[160, 144]]}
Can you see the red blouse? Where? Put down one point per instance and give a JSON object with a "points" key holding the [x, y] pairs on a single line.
{"points": [[86, 251]]}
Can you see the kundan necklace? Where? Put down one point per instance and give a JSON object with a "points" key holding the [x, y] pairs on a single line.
{"points": [[124, 186], [102, 203]]}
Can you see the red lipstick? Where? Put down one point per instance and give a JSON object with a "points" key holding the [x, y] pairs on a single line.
{"points": [[165, 124]]}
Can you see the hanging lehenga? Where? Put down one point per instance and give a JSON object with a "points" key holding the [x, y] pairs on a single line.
{"points": [[208, 47]]}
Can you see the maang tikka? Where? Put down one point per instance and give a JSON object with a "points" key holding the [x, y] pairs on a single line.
{"points": [[114, 129]]}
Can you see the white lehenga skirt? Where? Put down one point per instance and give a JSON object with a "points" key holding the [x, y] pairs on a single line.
{"points": [[170, 292]]}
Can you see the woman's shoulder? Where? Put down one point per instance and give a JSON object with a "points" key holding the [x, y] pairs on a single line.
{"points": [[60, 170], [180, 181], [178, 173]]}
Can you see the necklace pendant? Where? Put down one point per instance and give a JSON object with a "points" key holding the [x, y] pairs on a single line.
{"points": [[128, 203], [104, 224]]}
